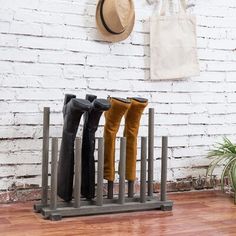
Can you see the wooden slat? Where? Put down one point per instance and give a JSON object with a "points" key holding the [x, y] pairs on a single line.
{"points": [[46, 122], [150, 150], [77, 185], [100, 172], [164, 156], [122, 170], [53, 198], [143, 169]]}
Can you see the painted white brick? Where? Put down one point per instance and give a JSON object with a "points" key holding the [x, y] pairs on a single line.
{"points": [[212, 10], [180, 173], [49, 48], [95, 72], [4, 27], [108, 61], [140, 39], [110, 85], [71, 71], [190, 152], [128, 74], [188, 109], [207, 119], [21, 158], [38, 94], [42, 43], [6, 119], [8, 40], [216, 109], [151, 86], [218, 22], [126, 49], [186, 86], [16, 106], [23, 28], [13, 54], [210, 77], [172, 119], [216, 55], [20, 145], [231, 76], [7, 94], [221, 66], [219, 129], [87, 46], [211, 33], [37, 69], [208, 98], [183, 130], [231, 33], [222, 44], [231, 98], [174, 98], [203, 140], [83, 21], [161, 108], [60, 6], [19, 132], [6, 14], [61, 57], [29, 15], [139, 62]]}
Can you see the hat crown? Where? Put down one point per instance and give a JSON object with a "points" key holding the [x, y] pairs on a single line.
{"points": [[117, 14], [123, 10]]}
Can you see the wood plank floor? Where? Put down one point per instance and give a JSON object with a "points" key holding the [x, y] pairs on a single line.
{"points": [[194, 214]]}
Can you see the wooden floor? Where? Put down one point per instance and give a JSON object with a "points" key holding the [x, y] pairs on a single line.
{"points": [[194, 214]]}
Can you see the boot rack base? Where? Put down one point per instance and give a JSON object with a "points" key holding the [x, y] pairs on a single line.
{"points": [[53, 209], [110, 206], [105, 209]]}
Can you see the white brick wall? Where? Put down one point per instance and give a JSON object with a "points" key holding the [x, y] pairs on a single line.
{"points": [[51, 47]]}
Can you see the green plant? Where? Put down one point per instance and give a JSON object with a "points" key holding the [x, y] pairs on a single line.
{"points": [[224, 154]]}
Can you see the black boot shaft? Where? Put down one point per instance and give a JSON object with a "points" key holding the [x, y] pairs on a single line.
{"points": [[88, 146], [73, 111]]}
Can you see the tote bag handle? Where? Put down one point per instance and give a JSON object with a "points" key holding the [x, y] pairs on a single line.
{"points": [[181, 3]]}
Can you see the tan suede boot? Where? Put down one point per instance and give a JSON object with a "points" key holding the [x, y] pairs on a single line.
{"points": [[132, 122], [113, 118]]}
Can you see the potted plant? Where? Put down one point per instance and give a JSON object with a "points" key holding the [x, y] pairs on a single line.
{"points": [[225, 154]]}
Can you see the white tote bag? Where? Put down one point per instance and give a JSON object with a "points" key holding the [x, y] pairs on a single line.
{"points": [[173, 45]]}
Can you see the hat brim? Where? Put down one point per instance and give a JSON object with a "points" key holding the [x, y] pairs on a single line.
{"points": [[107, 36]]}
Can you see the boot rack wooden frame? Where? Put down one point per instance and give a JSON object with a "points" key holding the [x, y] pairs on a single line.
{"points": [[52, 209]]}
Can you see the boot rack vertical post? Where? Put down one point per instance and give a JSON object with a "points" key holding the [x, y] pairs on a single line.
{"points": [[125, 202]]}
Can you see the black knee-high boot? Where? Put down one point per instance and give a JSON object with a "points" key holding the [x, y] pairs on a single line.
{"points": [[92, 118], [72, 112]]}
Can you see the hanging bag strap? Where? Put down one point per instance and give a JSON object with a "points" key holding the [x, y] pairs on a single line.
{"points": [[182, 7], [164, 6], [181, 3]]}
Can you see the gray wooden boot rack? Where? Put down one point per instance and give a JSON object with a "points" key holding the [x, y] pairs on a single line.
{"points": [[53, 209]]}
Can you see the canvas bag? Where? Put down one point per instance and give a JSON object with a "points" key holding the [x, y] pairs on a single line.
{"points": [[173, 46]]}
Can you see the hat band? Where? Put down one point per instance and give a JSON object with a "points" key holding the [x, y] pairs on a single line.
{"points": [[103, 20]]}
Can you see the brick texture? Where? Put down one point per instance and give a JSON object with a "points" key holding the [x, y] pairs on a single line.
{"points": [[51, 47]]}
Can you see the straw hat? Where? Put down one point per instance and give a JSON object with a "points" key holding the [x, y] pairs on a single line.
{"points": [[115, 19]]}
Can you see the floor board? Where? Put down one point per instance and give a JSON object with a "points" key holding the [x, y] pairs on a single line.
{"points": [[194, 213]]}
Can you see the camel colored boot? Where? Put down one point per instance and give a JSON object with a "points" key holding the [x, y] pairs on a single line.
{"points": [[132, 122], [72, 112], [113, 118], [91, 122]]}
